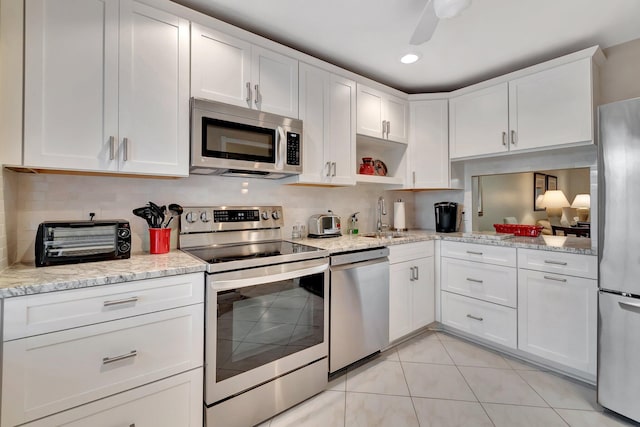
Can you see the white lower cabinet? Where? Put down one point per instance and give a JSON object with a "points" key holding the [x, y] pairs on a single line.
{"points": [[479, 290], [557, 314], [172, 402], [55, 363], [411, 288], [489, 321]]}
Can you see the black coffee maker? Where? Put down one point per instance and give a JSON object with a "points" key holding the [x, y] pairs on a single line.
{"points": [[446, 217]]}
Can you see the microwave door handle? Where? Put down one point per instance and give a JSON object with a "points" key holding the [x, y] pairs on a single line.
{"points": [[280, 146]]}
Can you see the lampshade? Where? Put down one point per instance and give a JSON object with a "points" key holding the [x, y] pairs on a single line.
{"points": [[554, 199], [581, 201], [449, 8]]}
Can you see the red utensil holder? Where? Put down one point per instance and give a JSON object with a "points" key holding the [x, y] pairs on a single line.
{"points": [[159, 240]]}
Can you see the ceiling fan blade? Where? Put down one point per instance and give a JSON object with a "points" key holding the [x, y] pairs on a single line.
{"points": [[426, 25]]}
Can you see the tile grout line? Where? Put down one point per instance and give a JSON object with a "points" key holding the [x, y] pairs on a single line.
{"points": [[404, 375], [466, 382]]}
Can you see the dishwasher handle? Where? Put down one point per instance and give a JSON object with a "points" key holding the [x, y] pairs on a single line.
{"points": [[341, 267], [360, 256]]}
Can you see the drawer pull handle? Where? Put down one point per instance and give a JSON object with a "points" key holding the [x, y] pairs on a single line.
{"points": [[480, 319], [107, 360], [474, 253], [546, 261], [120, 301], [469, 279], [557, 279]]}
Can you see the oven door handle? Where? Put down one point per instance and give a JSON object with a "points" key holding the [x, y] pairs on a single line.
{"points": [[287, 271]]}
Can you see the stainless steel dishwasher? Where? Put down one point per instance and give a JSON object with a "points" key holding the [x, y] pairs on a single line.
{"points": [[359, 306]]}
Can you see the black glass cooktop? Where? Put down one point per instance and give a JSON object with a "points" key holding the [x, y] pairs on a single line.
{"points": [[289, 251]]}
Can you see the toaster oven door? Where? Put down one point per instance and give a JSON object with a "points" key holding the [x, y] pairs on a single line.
{"points": [[69, 244]]}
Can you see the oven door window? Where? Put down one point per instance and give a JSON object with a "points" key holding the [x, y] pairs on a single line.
{"points": [[260, 324], [237, 141]]}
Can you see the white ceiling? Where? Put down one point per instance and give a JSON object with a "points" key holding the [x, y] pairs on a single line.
{"points": [[490, 38]]}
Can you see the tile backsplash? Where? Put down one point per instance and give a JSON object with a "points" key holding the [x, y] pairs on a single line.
{"points": [[70, 197]]}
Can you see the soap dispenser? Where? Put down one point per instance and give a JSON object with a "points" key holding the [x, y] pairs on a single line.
{"points": [[353, 224]]}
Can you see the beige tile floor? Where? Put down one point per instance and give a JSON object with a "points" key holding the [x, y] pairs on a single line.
{"points": [[437, 380]]}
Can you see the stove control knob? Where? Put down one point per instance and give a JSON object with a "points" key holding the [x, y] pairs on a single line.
{"points": [[275, 215], [191, 217], [205, 217], [265, 215]]}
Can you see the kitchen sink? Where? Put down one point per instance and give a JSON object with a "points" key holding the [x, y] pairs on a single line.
{"points": [[384, 235]]}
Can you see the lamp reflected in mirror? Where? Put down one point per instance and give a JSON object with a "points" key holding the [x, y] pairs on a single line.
{"points": [[553, 201], [582, 202]]}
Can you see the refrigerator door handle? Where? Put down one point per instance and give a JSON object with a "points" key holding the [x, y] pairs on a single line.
{"points": [[628, 304]]}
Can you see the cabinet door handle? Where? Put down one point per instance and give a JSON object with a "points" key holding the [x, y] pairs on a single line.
{"points": [[514, 137], [412, 276], [125, 149], [557, 279], [548, 261], [328, 168], [469, 279], [334, 168], [257, 94], [388, 127], [414, 178], [120, 301], [112, 147], [504, 139], [248, 99], [474, 253], [107, 360], [480, 319], [384, 127], [417, 272]]}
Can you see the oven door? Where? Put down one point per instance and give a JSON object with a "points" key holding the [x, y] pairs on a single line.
{"points": [[262, 323]]}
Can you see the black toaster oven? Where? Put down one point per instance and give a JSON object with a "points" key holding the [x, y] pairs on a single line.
{"points": [[71, 242]]}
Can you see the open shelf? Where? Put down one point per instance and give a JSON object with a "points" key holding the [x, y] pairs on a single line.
{"points": [[375, 179]]}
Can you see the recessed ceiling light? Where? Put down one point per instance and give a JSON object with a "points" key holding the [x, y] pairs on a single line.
{"points": [[410, 58]]}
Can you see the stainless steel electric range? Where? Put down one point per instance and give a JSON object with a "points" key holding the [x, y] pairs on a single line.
{"points": [[267, 306]]}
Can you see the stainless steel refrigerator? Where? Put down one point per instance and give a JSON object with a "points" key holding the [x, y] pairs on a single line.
{"points": [[619, 253]]}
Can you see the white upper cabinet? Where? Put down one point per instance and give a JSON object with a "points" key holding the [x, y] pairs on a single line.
{"points": [[381, 115], [99, 99], [479, 122], [548, 108], [429, 145], [553, 107], [71, 84], [154, 91], [233, 71], [327, 109]]}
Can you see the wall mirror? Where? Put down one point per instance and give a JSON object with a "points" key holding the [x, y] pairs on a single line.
{"points": [[512, 197]]}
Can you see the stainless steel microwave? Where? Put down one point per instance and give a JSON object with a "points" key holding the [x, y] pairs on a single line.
{"points": [[235, 141]]}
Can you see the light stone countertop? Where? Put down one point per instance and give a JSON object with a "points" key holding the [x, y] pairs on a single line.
{"points": [[21, 279], [575, 245]]}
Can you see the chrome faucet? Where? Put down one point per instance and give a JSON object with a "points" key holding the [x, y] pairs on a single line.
{"points": [[382, 210]]}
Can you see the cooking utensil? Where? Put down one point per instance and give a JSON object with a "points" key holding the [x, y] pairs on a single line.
{"points": [[176, 210], [157, 214], [144, 213]]}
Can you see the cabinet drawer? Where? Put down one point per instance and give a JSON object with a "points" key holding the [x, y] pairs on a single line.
{"points": [[175, 401], [409, 251], [57, 371], [488, 321], [42, 313], [492, 283], [559, 262], [498, 255]]}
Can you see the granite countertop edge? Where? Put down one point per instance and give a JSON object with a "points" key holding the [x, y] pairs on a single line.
{"points": [[21, 279]]}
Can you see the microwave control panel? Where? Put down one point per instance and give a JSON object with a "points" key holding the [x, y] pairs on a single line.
{"points": [[293, 148]]}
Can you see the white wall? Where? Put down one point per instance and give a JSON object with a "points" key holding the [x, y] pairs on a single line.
{"points": [[619, 74], [69, 197]]}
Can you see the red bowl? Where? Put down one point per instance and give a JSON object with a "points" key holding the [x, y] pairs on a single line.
{"points": [[519, 229]]}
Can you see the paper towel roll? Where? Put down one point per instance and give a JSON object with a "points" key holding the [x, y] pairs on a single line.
{"points": [[398, 216]]}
